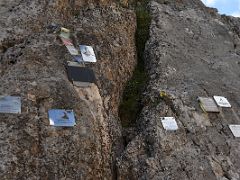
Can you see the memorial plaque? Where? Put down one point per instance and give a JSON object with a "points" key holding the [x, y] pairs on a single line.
{"points": [[235, 130], [169, 123], [61, 117], [78, 74], [222, 101], [208, 105], [88, 54], [10, 104]]}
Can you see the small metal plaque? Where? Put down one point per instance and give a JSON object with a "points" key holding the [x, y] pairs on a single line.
{"points": [[208, 105], [88, 54], [80, 74], [235, 130], [61, 117], [169, 123], [10, 104], [222, 101]]}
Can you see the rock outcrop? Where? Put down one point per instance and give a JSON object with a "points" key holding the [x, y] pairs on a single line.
{"points": [[192, 51], [32, 65]]}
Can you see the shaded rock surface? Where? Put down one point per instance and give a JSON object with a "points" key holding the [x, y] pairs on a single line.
{"points": [[32, 65], [192, 51]]}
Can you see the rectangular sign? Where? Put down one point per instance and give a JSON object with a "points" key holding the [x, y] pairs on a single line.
{"points": [[10, 104], [222, 101], [208, 105], [88, 54], [169, 123], [235, 130], [80, 74], [61, 117]]}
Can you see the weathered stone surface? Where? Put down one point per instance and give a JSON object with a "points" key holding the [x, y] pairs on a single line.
{"points": [[192, 51], [32, 66]]}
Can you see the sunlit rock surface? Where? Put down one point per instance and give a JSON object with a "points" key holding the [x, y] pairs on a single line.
{"points": [[192, 51]]}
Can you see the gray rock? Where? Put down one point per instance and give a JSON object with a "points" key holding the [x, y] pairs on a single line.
{"points": [[187, 57]]}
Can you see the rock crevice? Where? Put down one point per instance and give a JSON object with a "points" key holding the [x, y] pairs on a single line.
{"points": [[190, 53]]}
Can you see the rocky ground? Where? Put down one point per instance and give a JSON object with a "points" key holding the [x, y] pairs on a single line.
{"points": [[192, 51]]}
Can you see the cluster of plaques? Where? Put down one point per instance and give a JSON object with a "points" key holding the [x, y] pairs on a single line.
{"points": [[208, 104], [78, 74], [57, 117], [81, 54]]}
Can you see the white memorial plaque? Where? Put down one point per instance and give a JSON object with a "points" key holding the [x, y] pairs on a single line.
{"points": [[88, 54], [169, 123], [61, 117], [235, 130], [208, 105], [10, 104], [72, 50], [222, 101]]}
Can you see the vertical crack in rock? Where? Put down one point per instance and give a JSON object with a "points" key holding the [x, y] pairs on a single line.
{"points": [[192, 51], [131, 104]]}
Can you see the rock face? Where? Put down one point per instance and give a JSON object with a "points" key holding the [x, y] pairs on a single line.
{"points": [[32, 66], [192, 51]]}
